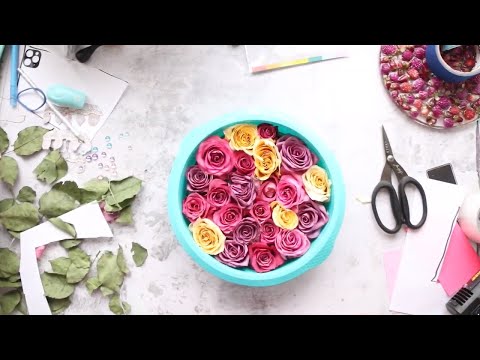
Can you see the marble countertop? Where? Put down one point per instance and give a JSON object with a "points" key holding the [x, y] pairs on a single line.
{"points": [[173, 89]]}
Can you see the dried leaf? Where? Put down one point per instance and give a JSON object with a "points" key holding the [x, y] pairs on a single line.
{"points": [[119, 207], [26, 194], [68, 244], [8, 170], [76, 274], [20, 217], [6, 204], [15, 234], [93, 284], [108, 271], [9, 301], [80, 265], [71, 188], [58, 306], [97, 187], [118, 307], [139, 254], [122, 190], [8, 284], [53, 167], [55, 286], [64, 226], [106, 291], [60, 265], [29, 140], [122, 264], [55, 203], [22, 305], [125, 217], [4, 142], [14, 278], [9, 262]]}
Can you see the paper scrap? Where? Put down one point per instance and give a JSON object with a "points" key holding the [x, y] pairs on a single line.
{"points": [[461, 263], [89, 223], [391, 262], [417, 291]]}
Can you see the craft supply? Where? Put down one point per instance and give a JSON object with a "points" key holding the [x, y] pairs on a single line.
{"points": [[398, 203], [424, 97], [442, 173], [449, 47], [469, 216], [467, 300], [65, 96], [444, 71], [39, 92], [14, 75]]}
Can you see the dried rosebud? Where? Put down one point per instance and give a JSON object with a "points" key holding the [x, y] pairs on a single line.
{"points": [[448, 122], [385, 68], [407, 55], [388, 49]]}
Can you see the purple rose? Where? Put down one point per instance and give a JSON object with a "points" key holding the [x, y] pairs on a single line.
{"points": [[247, 231], [234, 255], [261, 211], [197, 180], [296, 157], [218, 193], [292, 244], [290, 191], [269, 232], [194, 206], [267, 131], [244, 163], [268, 190], [243, 189], [311, 217]]}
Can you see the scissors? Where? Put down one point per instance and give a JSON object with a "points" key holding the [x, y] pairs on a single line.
{"points": [[398, 203]]}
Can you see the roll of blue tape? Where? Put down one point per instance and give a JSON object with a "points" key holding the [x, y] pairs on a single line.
{"points": [[441, 69]]}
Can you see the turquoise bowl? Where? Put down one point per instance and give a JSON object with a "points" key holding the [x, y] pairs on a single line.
{"points": [[320, 248]]}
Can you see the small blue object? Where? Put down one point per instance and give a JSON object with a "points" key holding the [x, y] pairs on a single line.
{"points": [[64, 96], [14, 76], [39, 92], [441, 69], [449, 47], [320, 248]]}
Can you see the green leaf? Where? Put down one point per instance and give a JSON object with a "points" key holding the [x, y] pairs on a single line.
{"points": [[71, 188], [122, 264], [55, 286], [108, 271], [123, 189], [15, 234], [26, 194], [76, 274], [64, 226], [22, 306], [8, 170], [4, 142], [53, 167], [20, 217], [9, 262], [106, 291], [9, 301], [80, 265], [29, 140], [125, 217], [55, 203], [93, 284], [118, 307], [97, 187], [68, 244], [6, 204], [8, 284], [60, 265], [139, 254], [58, 306], [14, 278], [119, 207]]}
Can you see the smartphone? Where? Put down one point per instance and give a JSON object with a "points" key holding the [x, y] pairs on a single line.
{"points": [[442, 173]]}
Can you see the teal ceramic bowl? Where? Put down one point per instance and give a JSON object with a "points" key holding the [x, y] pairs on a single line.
{"points": [[320, 248]]}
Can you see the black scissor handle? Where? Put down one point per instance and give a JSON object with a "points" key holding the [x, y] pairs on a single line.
{"points": [[404, 201], [394, 203]]}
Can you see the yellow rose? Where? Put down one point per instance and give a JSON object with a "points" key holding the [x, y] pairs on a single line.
{"points": [[242, 137], [283, 217], [208, 236], [316, 183], [267, 158]]}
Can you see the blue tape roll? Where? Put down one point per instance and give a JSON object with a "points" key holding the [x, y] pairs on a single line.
{"points": [[440, 68]]}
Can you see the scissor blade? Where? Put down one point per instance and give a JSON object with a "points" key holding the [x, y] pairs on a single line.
{"points": [[386, 143]]}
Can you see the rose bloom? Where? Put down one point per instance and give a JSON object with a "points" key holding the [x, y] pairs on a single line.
{"points": [[292, 244], [267, 158], [228, 217], [218, 194], [290, 191], [261, 211], [268, 190], [269, 232], [244, 163], [264, 257], [311, 217], [194, 206], [283, 217], [215, 157], [234, 254], [296, 157], [243, 189], [247, 231], [208, 236], [317, 184], [241, 137], [197, 180], [267, 131]]}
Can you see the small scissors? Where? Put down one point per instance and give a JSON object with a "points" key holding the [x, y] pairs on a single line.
{"points": [[399, 204]]}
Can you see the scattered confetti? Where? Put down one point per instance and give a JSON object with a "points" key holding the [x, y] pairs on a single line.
{"points": [[88, 158], [109, 146], [121, 135], [80, 169], [106, 168], [100, 177], [94, 157], [107, 138], [130, 147], [112, 159], [126, 134], [100, 165], [113, 166], [94, 149], [104, 154]]}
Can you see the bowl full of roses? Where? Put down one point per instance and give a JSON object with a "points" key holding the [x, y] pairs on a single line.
{"points": [[255, 199]]}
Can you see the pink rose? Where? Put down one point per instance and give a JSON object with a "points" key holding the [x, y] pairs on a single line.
{"points": [[261, 211], [290, 191], [244, 163], [197, 180], [215, 157], [218, 194], [194, 206], [228, 217], [39, 251], [247, 231], [267, 131], [234, 255], [268, 190], [269, 232], [264, 257], [292, 244]]}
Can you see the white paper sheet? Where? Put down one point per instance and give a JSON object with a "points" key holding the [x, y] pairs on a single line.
{"points": [[416, 290], [103, 91], [89, 223]]}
